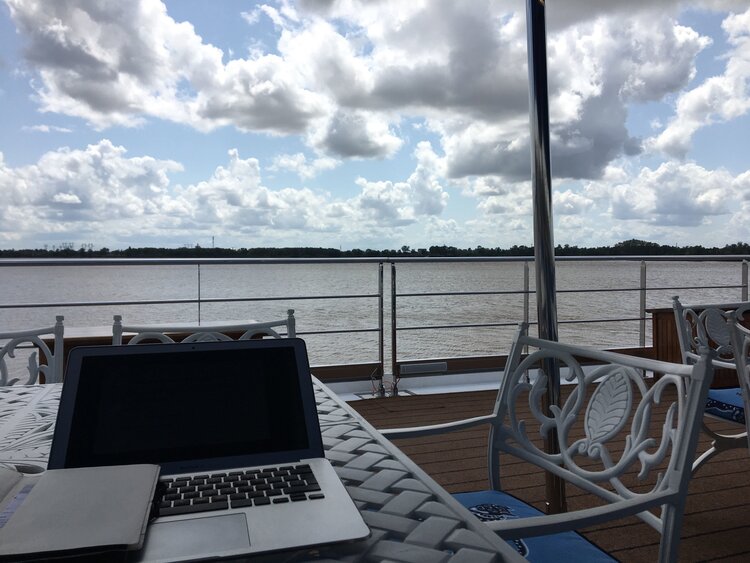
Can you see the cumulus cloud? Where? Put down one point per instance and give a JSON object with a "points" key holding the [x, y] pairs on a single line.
{"points": [[68, 198], [300, 165], [96, 184], [571, 203], [257, 95], [345, 73], [107, 65], [235, 198], [596, 69], [387, 201], [443, 231], [120, 63], [356, 134], [330, 62], [623, 61], [46, 129], [131, 198], [674, 194], [402, 203], [738, 225], [103, 192], [428, 194], [672, 202], [512, 201], [718, 98]]}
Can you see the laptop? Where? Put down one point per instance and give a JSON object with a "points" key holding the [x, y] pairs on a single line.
{"points": [[238, 415]]}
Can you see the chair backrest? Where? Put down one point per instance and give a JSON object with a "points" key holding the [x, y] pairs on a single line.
{"points": [[49, 372], [193, 333], [705, 326], [740, 338], [610, 403]]}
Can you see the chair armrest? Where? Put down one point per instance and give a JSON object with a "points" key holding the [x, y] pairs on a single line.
{"points": [[577, 519], [725, 364], [415, 431]]}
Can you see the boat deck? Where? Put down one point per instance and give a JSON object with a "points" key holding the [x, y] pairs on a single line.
{"points": [[717, 517]]}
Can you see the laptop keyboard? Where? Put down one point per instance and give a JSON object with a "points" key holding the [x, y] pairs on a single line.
{"points": [[235, 489]]}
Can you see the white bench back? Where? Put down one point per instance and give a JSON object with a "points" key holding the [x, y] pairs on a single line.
{"points": [[52, 371], [161, 333]]}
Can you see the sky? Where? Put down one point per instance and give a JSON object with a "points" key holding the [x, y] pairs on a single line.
{"points": [[369, 123]]}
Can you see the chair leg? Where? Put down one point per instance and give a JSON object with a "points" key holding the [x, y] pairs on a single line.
{"points": [[671, 529], [721, 443], [703, 458]]}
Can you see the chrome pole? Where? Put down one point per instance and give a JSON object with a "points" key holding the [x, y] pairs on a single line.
{"points": [[544, 250]]}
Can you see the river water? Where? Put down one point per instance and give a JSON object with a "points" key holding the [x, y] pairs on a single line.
{"points": [[334, 281]]}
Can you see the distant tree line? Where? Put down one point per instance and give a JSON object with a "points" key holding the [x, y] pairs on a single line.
{"points": [[632, 247]]}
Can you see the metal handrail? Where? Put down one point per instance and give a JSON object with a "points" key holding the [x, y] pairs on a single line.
{"points": [[13, 262]]}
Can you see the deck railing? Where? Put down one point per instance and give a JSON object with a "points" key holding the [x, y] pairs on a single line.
{"points": [[390, 334]]}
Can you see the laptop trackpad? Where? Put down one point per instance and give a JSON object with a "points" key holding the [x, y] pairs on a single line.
{"points": [[195, 537]]}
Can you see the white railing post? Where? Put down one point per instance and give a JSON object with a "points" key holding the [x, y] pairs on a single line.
{"points": [[381, 327], [526, 292], [526, 304], [642, 312], [394, 348], [744, 280]]}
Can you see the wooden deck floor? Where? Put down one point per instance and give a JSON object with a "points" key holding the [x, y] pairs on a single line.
{"points": [[717, 519]]}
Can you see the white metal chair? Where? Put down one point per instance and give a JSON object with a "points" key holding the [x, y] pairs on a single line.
{"points": [[740, 338], [49, 372], [192, 333], [611, 401], [711, 327]]}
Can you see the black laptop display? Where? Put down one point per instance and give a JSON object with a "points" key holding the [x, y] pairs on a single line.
{"points": [[230, 405]]}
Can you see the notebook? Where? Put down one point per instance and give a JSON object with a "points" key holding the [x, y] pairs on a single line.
{"points": [[80, 512], [234, 411]]}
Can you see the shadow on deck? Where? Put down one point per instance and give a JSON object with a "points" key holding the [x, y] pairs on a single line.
{"points": [[717, 517]]}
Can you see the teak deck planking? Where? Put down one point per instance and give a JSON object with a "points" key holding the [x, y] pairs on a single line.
{"points": [[717, 516]]}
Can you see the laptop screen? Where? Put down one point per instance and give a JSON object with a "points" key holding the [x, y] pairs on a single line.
{"points": [[186, 406]]}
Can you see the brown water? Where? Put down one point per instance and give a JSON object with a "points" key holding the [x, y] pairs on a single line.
{"points": [[336, 312]]}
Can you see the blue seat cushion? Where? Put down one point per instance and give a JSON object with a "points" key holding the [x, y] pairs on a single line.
{"points": [[561, 547], [726, 404]]}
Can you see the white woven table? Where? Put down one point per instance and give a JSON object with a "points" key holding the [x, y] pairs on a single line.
{"points": [[412, 518], [27, 420]]}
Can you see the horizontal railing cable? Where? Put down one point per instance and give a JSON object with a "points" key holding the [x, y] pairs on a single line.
{"points": [[513, 324], [587, 290], [179, 301]]}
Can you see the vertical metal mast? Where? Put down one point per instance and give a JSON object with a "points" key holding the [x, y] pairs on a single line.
{"points": [[544, 250]]}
